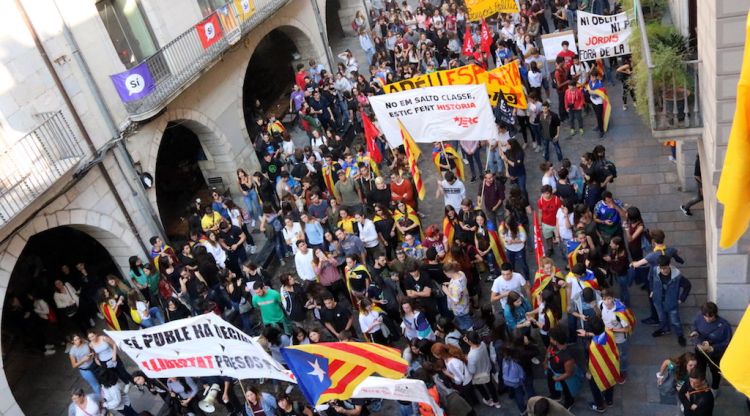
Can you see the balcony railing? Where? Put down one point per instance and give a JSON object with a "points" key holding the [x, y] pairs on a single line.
{"points": [[34, 163], [674, 103], [176, 65]]}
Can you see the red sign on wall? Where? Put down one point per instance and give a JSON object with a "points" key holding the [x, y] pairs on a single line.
{"points": [[209, 31]]}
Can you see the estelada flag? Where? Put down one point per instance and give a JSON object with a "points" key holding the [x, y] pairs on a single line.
{"points": [[332, 370], [625, 315], [486, 36], [604, 360], [735, 366], [735, 175], [468, 48], [449, 231], [496, 242], [541, 281], [209, 30], [572, 247], [606, 106], [371, 133], [412, 155]]}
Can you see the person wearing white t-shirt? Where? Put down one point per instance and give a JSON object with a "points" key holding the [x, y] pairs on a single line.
{"points": [[508, 281], [303, 261], [495, 146], [452, 189], [564, 226], [618, 326]]}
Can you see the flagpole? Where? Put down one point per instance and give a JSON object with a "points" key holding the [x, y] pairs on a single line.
{"points": [[445, 155], [486, 167]]}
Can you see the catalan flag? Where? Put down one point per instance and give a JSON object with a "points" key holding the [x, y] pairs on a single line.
{"points": [[332, 370], [496, 243], [735, 175], [606, 105], [449, 230], [734, 364], [538, 241], [542, 280], [572, 247], [589, 280], [328, 172], [604, 360], [412, 155], [445, 150], [410, 214], [625, 315]]}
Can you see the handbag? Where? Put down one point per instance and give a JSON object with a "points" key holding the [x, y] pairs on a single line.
{"points": [[437, 291], [354, 25]]}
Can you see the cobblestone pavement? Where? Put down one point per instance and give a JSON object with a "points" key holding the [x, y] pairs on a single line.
{"points": [[646, 179]]}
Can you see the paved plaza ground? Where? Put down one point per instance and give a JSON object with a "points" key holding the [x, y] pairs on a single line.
{"points": [[646, 179]]}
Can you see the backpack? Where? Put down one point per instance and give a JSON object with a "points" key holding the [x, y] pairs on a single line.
{"points": [[513, 374], [611, 168]]}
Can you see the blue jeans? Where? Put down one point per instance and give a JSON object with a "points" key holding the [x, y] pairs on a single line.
{"points": [[624, 283], [519, 396], [155, 318], [464, 322], [521, 182], [519, 257], [556, 145], [494, 162], [474, 159], [667, 318], [624, 349], [245, 318], [536, 133], [90, 377], [571, 17], [253, 205]]}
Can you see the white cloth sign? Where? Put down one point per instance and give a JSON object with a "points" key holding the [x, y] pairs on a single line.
{"points": [[431, 114], [404, 389], [552, 43], [204, 345], [603, 36]]}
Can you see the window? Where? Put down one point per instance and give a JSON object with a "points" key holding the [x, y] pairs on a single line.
{"points": [[128, 29], [208, 6]]}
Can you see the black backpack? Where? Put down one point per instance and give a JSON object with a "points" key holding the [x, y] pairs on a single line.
{"points": [[610, 166]]}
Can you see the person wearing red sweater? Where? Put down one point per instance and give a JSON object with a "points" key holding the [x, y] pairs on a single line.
{"points": [[402, 190], [574, 102]]}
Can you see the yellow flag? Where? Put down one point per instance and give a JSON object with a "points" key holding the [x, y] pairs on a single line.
{"points": [[735, 175], [735, 366], [412, 155]]}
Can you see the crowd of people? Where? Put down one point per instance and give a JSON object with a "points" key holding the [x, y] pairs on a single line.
{"points": [[359, 260]]}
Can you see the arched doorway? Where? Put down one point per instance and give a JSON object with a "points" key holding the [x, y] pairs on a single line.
{"points": [[334, 25], [31, 373], [179, 179], [270, 74]]}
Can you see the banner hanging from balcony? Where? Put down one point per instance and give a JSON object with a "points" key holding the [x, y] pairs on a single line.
{"points": [[431, 114], [209, 30], [603, 36], [244, 8], [134, 84]]}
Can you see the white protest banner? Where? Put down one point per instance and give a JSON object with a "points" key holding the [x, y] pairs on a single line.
{"points": [[552, 43], [204, 345], [603, 36], [431, 114], [404, 389]]}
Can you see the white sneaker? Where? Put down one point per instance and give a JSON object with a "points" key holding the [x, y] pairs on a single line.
{"points": [[99, 314], [252, 249], [488, 403], [289, 389], [92, 322], [535, 361], [466, 162], [672, 159], [252, 224], [49, 352], [127, 387], [49, 347], [497, 405]]}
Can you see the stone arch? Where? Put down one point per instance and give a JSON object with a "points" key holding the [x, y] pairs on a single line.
{"points": [[298, 32], [220, 160], [113, 235], [345, 11]]}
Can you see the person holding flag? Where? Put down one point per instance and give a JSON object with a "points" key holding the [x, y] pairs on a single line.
{"points": [[604, 364], [372, 140], [620, 320], [446, 158], [549, 275], [412, 155], [600, 100]]}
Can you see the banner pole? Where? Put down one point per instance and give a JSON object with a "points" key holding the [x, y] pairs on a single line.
{"points": [[486, 167], [445, 155]]}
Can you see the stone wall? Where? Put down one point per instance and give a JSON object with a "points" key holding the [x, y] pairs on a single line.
{"points": [[721, 36]]}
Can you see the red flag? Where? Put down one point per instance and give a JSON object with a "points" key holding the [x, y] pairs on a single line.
{"points": [[486, 36], [209, 30], [538, 241], [371, 134], [468, 48]]}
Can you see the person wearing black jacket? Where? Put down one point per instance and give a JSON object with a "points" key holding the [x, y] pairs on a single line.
{"points": [[550, 126], [712, 334], [695, 397]]}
